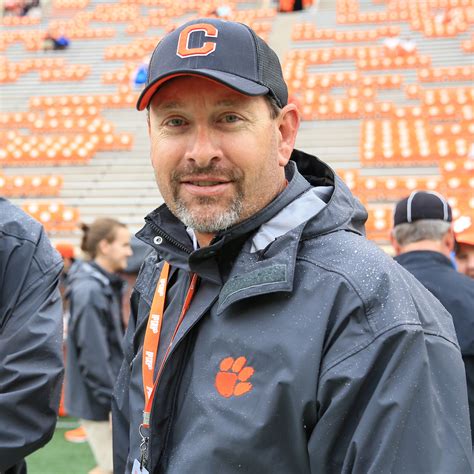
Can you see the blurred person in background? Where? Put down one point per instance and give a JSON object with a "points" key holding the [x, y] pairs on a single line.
{"points": [[67, 252], [31, 360], [423, 239], [464, 228], [95, 331]]}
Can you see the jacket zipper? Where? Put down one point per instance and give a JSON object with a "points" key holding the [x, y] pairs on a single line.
{"points": [[166, 435], [161, 369], [168, 237]]}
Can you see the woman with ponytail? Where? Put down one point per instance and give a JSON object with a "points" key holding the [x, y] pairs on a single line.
{"points": [[95, 331]]}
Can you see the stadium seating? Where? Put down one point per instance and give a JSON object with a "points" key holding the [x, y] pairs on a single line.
{"points": [[381, 101], [53, 215], [30, 186]]}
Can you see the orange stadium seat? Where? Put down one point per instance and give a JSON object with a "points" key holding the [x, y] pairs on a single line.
{"points": [[445, 96], [452, 73], [19, 21], [90, 105], [432, 18], [468, 45], [69, 4], [137, 49], [30, 186], [22, 150], [69, 73], [54, 216], [399, 62], [379, 222], [408, 141], [309, 32], [352, 179], [391, 188]]}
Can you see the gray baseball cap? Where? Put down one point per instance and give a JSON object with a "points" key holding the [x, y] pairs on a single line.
{"points": [[224, 51]]}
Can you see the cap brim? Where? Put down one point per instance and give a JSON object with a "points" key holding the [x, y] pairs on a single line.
{"points": [[237, 83]]}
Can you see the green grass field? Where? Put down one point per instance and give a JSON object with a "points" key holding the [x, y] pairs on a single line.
{"points": [[61, 457]]}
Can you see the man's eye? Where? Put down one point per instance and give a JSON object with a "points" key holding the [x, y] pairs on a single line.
{"points": [[231, 118], [175, 122]]}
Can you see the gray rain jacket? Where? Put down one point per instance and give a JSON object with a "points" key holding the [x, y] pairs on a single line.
{"points": [[306, 349], [94, 341], [31, 360]]}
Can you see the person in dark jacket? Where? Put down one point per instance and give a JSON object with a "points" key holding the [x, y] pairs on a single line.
{"points": [[423, 240], [95, 332], [267, 334], [31, 362]]}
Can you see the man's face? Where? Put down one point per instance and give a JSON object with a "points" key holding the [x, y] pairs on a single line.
{"points": [[118, 251], [216, 153], [465, 259]]}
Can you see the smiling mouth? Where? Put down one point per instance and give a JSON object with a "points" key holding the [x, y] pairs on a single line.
{"points": [[206, 183]]}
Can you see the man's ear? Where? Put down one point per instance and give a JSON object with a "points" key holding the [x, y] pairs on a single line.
{"points": [[148, 122], [449, 239], [288, 125], [396, 246]]}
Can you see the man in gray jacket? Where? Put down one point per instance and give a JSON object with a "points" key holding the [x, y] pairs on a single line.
{"points": [[31, 361], [267, 335]]}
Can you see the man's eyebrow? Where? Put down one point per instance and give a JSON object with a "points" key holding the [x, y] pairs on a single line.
{"points": [[176, 104], [230, 102], [169, 105]]}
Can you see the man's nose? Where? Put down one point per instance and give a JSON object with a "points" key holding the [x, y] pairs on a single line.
{"points": [[203, 146]]}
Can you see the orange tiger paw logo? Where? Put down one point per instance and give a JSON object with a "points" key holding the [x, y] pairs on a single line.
{"points": [[233, 377]]}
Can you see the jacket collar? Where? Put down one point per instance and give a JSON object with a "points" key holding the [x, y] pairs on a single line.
{"points": [[424, 256], [114, 280], [168, 235]]}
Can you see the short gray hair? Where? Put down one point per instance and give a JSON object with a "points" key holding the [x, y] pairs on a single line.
{"points": [[273, 104], [423, 229]]}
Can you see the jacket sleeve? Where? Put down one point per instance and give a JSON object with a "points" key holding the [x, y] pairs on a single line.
{"points": [[395, 405], [31, 360], [469, 366], [89, 315], [120, 401]]}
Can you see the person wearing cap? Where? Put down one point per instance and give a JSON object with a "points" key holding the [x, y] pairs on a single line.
{"points": [[267, 334], [423, 240], [31, 361], [465, 245]]}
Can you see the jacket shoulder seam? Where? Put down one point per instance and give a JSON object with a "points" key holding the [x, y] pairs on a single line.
{"points": [[362, 347], [365, 307]]}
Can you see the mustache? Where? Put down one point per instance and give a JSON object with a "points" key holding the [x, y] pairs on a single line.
{"points": [[209, 170]]}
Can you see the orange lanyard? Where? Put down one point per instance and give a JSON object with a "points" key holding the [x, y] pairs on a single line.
{"points": [[153, 334]]}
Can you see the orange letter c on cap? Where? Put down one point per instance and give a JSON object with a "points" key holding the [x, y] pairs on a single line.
{"points": [[184, 51]]}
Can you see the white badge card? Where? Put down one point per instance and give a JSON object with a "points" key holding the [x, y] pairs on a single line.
{"points": [[136, 468]]}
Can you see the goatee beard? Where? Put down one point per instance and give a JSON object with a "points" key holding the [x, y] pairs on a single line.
{"points": [[205, 218]]}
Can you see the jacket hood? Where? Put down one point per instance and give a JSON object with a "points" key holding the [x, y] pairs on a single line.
{"points": [[343, 211], [316, 200]]}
